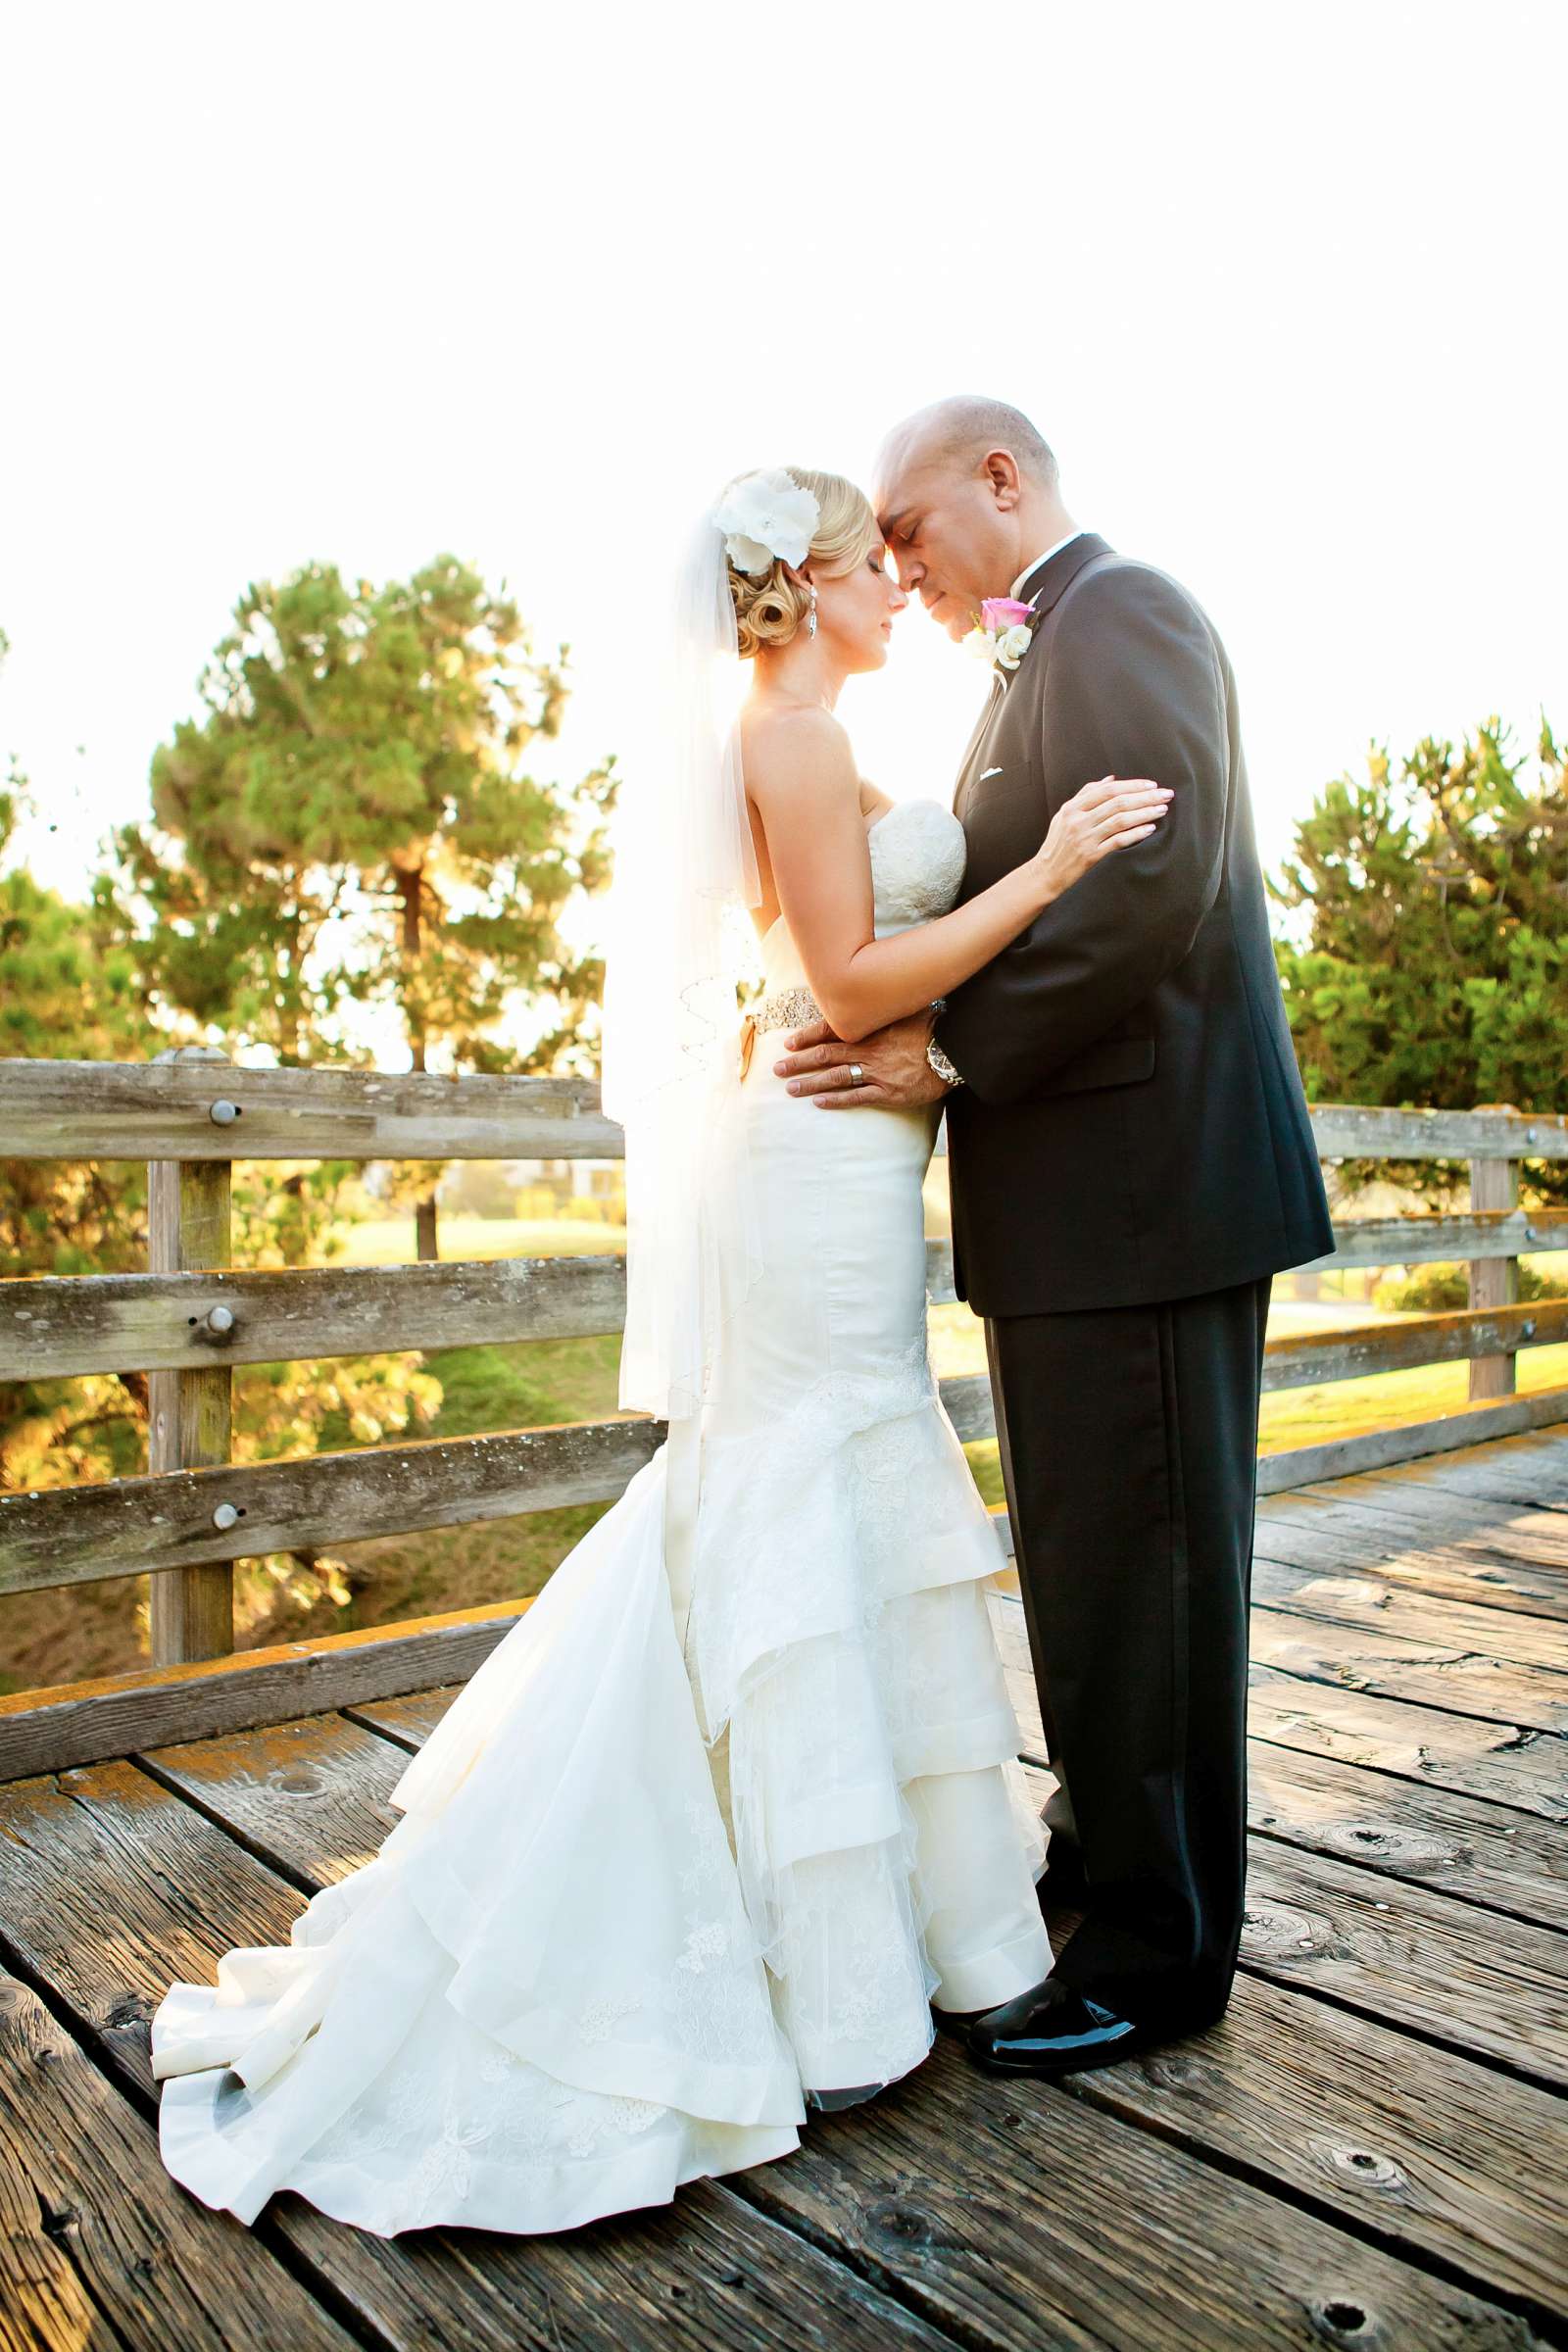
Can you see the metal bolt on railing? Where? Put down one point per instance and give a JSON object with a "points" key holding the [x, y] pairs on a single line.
{"points": [[224, 1114], [225, 1516], [221, 1319]]}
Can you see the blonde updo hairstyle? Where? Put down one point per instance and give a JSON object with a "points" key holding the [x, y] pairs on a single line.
{"points": [[769, 606]]}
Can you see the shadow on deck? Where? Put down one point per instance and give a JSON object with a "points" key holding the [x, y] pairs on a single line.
{"points": [[1370, 2148]]}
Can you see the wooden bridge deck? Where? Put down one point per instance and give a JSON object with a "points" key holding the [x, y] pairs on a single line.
{"points": [[1370, 2150]]}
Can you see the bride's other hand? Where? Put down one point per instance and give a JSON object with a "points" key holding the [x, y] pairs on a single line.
{"points": [[1102, 817]]}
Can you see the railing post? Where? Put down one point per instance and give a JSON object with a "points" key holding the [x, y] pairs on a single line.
{"points": [[1493, 1280], [190, 1414]]}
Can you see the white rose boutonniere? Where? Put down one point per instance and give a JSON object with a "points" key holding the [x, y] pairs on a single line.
{"points": [[1002, 633]]}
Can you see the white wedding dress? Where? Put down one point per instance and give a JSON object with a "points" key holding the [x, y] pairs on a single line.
{"points": [[601, 1955]]}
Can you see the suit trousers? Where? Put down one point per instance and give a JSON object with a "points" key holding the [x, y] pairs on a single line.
{"points": [[1129, 1448]]}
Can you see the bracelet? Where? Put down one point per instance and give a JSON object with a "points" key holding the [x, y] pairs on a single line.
{"points": [[934, 1055]]}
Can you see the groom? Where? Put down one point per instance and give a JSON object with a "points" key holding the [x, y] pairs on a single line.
{"points": [[1130, 1162]]}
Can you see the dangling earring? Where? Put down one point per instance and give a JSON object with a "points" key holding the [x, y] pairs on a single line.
{"points": [[811, 618]]}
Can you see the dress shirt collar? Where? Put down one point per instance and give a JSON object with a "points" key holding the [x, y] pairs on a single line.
{"points": [[1030, 570]]}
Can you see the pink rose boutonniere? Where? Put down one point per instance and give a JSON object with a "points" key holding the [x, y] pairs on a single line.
{"points": [[1000, 635]]}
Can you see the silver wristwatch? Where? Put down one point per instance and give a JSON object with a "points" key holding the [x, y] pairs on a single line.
{"points": [[935, 1055]]}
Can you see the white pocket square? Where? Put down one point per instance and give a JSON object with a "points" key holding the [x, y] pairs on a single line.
{"points": [[988, 771]]}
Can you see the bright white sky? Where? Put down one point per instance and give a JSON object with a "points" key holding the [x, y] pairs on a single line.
{"points": [[1283, 285]]}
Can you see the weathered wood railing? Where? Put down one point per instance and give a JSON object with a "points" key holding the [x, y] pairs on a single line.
{"points": [[192, 1317]]}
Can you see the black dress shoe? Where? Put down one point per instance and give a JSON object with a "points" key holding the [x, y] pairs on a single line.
{"points": [[1055, 2030]]}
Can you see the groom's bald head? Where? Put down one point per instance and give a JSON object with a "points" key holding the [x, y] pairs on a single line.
{"points": [[966, 492], [960, 433]]}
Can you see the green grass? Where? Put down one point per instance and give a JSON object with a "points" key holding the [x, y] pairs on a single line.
{"points": [[1347, 1407], [389, 1241]]}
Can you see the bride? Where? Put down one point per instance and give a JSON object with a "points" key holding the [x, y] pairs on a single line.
{"points": [[730, 1809]]}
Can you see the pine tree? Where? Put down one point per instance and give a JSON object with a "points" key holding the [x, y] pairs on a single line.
{"points": [[1431, 962], [349, 823]]}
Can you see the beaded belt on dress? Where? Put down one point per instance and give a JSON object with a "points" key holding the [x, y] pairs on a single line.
{"points": [[785, 1009]]}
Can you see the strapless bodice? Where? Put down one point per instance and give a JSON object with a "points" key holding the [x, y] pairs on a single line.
{"points": [[917, 858]]}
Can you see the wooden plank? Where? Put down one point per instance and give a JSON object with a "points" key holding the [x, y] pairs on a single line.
{"points": [[143, 1889], [1476, 1852], [320, 1838], [1310, 1360], [1507, 1766], [408, 1720], [72, 1535], [1305, 1532], [1493, 1282], [1409, 1956], [190, 1413], [110, 1884], [118, 1322], [1495, 1762], [1475, 1579], [1365, 1599], [1015, 2216], [1358, 1131], [1423, 1240], [1301, 1529], [164, 1111], [1429, 1673], [60, 1327], [98, 2246], [309, 1797], [1495, 1484], [1411, 2145], [709, 2274], [1437, 1515], [142, 1111], [128, 1526], [81, 1723], [1376, 1450], [1528, 1469]]}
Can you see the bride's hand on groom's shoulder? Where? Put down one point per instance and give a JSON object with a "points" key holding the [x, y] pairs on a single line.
{"points": [[889, 1067], [1113, 814]]}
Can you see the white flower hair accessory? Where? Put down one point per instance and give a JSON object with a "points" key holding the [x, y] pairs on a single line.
{"points": [[765, 516]]}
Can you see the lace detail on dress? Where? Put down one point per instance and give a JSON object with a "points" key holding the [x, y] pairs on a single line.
{"points": [[600, 2019], [420, 2144], [917, 861]]}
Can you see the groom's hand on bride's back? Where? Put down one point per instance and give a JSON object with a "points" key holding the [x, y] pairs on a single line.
{"points": [[894, 1070]]}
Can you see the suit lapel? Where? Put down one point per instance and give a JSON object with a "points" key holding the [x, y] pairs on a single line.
{"points": [[987, 711], [1043, 588], [1046, 585], [977, 744]]}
